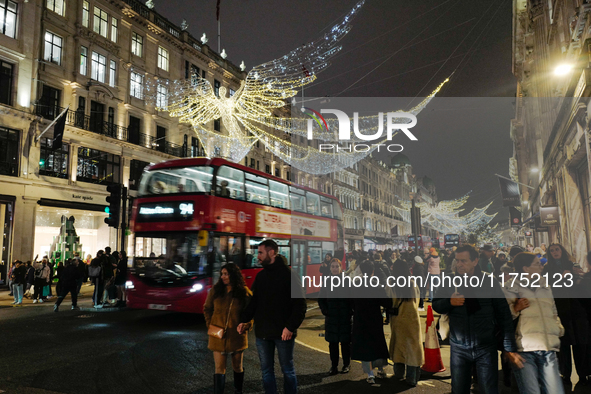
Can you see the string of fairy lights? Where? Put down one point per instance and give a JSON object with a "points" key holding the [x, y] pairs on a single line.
{"points": [[445, 215], [248, 115]]}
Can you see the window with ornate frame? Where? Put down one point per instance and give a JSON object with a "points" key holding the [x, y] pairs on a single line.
{"points": [[53, 48], [57, 6], [8, 10], [137, 44], [100, 22]]}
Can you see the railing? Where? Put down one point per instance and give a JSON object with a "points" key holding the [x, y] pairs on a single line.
{"points": [[139, 8], [108, 129], [166, 26]]}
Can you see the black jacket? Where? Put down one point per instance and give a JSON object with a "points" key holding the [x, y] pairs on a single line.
{"points": [[30, 275], [18, 275], [69, 275], [337, 306], [272, 305], [482, 320]]}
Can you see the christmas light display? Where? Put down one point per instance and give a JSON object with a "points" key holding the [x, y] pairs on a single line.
{"points": [[445, 216], [248, 115]]}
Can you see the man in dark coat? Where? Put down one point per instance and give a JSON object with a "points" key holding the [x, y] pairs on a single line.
{"points": [[336, 305], [278, 307], [473, 312], [68, 284], [369, 343]]}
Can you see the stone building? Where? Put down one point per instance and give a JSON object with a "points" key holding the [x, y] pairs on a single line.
{"points": [[551, 60], [93, 58]]}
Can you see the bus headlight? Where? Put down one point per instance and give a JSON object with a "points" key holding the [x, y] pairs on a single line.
{"points": [[196, 287], [129, 285]]}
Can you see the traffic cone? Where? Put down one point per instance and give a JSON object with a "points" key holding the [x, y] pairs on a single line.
{"points": [[433, 362]]}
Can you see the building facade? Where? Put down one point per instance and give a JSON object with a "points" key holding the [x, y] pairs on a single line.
{"points": [[90, 60], [551, 60]]}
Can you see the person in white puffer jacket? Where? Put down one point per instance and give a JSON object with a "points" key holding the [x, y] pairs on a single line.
{"points": [[538, 329]]}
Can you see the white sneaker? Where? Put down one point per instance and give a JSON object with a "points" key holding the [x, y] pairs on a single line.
{"points": [[14, 303], [41, 301], [371, 380], [35, 301], [98, 306], [421, 309], [381, 375]]}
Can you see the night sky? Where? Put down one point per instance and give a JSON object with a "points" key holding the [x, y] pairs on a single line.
{"points": [[463, 137]]}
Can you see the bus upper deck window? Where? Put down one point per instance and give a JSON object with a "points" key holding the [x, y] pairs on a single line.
{"points": [[230, 183]]}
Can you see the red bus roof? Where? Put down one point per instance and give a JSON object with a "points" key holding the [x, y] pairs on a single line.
{"points": [[216, 162]]}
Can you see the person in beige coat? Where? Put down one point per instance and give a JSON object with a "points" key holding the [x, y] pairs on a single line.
{"points": [[406, 342], [223, 306]]}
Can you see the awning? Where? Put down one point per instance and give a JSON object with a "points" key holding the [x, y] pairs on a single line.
{"points": [[47, 202]]}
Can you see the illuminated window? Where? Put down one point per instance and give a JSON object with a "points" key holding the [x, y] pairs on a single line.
{"points": [[137, 44], [53, 48], [56, 6], [85, 13], [99, 24], [99, 67], [137, 84], [162, 59], [114, 29]]}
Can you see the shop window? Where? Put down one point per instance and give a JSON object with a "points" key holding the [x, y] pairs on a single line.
{"points": [[230, 183], [9, 154], [95, 166], [53, 163], [136, 169]]}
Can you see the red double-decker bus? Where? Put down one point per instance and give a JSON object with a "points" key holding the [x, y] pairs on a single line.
{"points": [[194, 215]]}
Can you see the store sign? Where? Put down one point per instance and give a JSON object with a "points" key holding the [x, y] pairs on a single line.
{"points": [[550, 216], [282, 223], [165, 211]]}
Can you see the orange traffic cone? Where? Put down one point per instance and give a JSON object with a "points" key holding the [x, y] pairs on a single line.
{"points": [[433, 362]]}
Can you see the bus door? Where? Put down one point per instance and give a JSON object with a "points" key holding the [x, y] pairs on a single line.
{"points": [[298, 256]]}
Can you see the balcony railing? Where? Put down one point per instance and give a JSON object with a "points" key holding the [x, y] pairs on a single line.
{"points": [[108, 129]]}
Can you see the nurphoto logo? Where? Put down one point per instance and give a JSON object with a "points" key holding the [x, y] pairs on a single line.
{"points": [[394, 121]]}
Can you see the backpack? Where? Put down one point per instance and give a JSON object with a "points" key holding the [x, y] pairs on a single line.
{"points": [[94, 272]]}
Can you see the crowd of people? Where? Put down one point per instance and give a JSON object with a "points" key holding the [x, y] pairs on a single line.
{"points": [[534, 328], [107, 272]]}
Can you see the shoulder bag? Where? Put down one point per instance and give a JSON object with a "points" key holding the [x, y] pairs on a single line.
{"points": [[219, 332]]}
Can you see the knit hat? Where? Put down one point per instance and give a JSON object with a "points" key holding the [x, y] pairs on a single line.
{"points": [[418, 259], [433, 252]]}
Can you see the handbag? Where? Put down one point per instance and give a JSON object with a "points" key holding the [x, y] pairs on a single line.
{"points": [[219, 332]]}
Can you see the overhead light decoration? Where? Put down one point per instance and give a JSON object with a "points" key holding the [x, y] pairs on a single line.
{"points": [[445, 215], [247, 116], [562, 69]]}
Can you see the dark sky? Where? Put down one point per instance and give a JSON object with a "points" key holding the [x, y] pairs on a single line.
{"points": [[462, 142]]}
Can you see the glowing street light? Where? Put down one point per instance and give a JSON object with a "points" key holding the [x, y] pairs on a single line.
{"points": [[562, 69]]}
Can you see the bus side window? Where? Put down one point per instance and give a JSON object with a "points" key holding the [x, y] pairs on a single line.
{"points": [[279, 195], [230, 183], [313, 201]]}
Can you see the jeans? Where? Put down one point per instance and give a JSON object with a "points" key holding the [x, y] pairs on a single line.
{"points": [[266, 349], [539, 374], [38, 292], [99, 286], [17, 290], [333, 348], [413, 374], [486, 362], [368, 366]]}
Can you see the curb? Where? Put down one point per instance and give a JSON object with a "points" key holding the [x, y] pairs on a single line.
{"points": [[100, 310]]}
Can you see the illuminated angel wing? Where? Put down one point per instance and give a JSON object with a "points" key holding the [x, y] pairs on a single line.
{"points": [[269, 84], [192, 100]]}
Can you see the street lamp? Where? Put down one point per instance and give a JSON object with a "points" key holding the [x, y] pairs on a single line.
{"points": [[562, 69], [535, 170]]}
